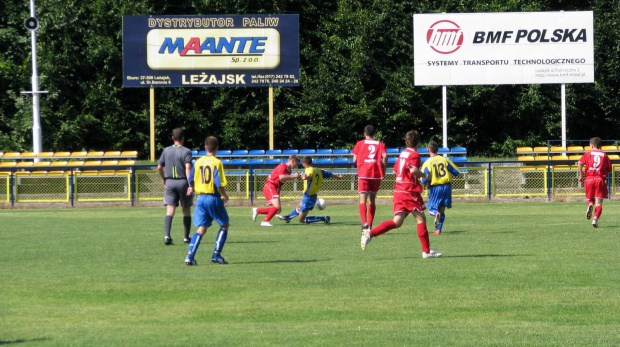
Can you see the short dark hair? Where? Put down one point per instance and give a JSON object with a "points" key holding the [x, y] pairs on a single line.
{"points": [[433, 147], [178, 134], [306, 160], [596, 142], [293, 157], [369, 130], [412, 138], [211, 144]]}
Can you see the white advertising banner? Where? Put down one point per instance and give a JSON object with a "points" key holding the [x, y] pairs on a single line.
{"points": [[503, 48]]}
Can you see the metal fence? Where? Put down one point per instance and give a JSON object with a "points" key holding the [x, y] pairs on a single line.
{"points": [[487, 180]]}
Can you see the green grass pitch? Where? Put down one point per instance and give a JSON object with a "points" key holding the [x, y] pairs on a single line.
{"points": [[512, 274]]}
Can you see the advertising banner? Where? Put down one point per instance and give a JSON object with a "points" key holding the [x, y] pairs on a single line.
{"points": [[211, 51], [503, 48]]}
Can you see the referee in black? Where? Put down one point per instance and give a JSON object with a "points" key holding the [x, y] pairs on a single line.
{"points": [[174, 167]]}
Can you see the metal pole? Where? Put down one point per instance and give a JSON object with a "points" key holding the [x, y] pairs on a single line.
{"points": [[152, 121], [563, 89], [270, 117], [444, 104], [36, 111]]}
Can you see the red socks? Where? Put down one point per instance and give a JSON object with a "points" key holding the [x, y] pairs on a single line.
{"points": [[597, 211], [383, 228], [269, 211], [371, 214], [423, 236], [362, 209]]}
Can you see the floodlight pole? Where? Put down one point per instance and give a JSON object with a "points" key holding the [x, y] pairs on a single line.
{"points": [[563, 92], [32, 25], [444, 105]]}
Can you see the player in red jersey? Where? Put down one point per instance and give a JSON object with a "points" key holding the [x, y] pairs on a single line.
{"points": [[407, 197], [271, 189], [597, 166], [371, 159]]}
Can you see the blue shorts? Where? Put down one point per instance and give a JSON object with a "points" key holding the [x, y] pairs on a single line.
{"points": [[209, 208], [307, 202], [439, 195]]}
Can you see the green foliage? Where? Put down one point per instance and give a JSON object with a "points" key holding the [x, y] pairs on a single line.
{"points": [[356, 69]]}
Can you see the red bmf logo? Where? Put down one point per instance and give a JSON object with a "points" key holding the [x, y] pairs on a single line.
{"points": [[445, 37]]}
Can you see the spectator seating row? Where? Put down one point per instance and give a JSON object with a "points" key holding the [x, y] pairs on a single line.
{"points": [[93, 155], [317, 161], [544, 153], [57, 166], [334, 155]]}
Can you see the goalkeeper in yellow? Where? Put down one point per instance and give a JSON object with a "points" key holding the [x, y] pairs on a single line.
{"points": [[313, 180], [439, 171], [208, 180]]}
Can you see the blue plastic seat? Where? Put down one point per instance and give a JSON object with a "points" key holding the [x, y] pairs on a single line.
{"points": [[223, 152], [392, 160], [341, 161], [458, 159], [423, 150], [240, 152], [322, 161], [194, 153], [257, 152], [341, 151], [203, 152], [392, 150], [225, 161], [324, 151], [272, 161], [238, 162], [273, 152], [458, 150], [290, 151], [443, 150], [255, 161], [307, 151]]}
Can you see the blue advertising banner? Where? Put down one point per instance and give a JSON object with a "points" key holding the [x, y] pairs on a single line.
{"points": [[210, 51]]}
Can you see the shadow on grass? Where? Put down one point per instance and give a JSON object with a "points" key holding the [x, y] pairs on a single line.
{"points": [[23, 341], [253, 241], [281, 261], [485, 255]]}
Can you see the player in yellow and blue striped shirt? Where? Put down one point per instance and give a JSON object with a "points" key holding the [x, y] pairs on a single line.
{"points": [[438, 170], [209, 180], [313, 180]]}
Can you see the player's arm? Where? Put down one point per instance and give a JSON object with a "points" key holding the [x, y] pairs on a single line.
{"points": [[580, 169], [223, 193], [453, 169], [189, 173], [219, 181], [417, 173], [426, 171], [329, 174], [289, 177], [160, 169]]}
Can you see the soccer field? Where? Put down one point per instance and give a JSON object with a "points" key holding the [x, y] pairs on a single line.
{"points": [[512, 274]]}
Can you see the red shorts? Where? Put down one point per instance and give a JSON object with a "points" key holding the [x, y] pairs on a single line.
{"points": [[365, 185], [596, 188], [408, 202], [271, 192]]}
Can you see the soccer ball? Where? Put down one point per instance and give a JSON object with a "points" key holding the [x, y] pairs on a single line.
{"points": [[321, 204]]}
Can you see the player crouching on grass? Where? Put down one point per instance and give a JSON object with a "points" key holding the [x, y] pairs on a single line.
{"points": [[209, 181], [313, 180], [271, 189], [407, 197]]}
